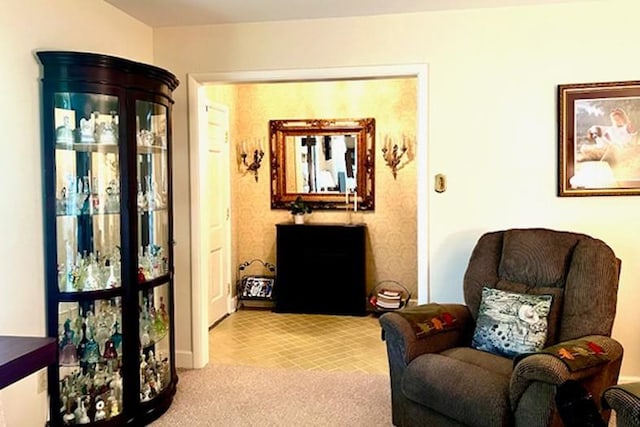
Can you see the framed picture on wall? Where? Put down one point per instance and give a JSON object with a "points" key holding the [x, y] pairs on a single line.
{"points": [[599, 139]]}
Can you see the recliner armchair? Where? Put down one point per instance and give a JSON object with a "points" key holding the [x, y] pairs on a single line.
{"points": [[439, 379]]}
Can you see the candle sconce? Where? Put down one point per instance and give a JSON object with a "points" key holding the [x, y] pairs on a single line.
{"points": [[393, 154], [252, 165]]}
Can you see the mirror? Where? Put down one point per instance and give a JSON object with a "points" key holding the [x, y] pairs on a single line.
{"points": [[322, 160]]}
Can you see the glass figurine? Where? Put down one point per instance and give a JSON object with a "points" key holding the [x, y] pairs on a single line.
{"points": [[107, 132], [110, 350], [87, 130], [90, 282], [115, 410], [159, 326], [112, 203], [68, 350], [162, 312], [148, 195], [71, 194], [82, 345], [61, 203], [82, 417], [116, 386], [145, 337], [116, 337], [100, 412], [92, 351], [112, 281], [64, 133], [145, 138], [141, 200], [69, 417]]}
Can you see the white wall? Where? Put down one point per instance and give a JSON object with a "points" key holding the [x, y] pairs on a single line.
{"points": [[25, 27], [492, 119]]}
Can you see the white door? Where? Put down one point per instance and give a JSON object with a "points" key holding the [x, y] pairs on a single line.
{"points": [[215, 200]]}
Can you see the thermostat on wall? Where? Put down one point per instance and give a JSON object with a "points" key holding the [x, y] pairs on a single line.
{"points": [[441, 183]]}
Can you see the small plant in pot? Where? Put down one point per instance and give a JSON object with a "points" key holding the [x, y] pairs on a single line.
{"points": [[298, 209]]}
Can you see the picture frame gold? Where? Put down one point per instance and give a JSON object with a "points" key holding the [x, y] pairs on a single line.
{"points": [[285, 166], [599, 139]]}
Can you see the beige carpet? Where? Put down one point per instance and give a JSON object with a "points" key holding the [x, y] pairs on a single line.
{"points": [[228, 395]]}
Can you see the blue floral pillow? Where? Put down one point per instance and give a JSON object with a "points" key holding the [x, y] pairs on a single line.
{"points": [[510, 324]]}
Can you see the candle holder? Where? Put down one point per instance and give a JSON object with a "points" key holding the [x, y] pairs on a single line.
{"points": [[350, 205], [392, 154], [254, 166]]}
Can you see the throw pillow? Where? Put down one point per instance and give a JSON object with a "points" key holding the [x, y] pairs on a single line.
{"points": [[555, 314], [510, 323]]}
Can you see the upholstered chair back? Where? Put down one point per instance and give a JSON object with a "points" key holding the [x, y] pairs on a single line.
{"points": [[580, 272]]}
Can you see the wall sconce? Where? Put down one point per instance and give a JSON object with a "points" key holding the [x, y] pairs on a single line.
{"points": [[392, 154], [252, 165]]}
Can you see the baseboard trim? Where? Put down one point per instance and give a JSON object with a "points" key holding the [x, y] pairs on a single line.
{"points": [[628, 379], [217, 322], [232, 304], [184, 359]]}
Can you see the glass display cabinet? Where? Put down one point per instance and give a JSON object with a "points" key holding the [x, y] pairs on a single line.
{"points": [[106, 126]]}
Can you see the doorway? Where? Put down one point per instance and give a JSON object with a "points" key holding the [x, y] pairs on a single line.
{"points": [[198, 81]]}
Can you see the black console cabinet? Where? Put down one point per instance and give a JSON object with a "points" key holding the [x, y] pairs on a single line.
{"points": [[321, 269]]}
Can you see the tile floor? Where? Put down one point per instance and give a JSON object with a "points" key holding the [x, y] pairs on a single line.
{"points": [[304, 341]]}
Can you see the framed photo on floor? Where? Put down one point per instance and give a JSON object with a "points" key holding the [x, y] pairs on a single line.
{"points": [[260, 287], [599, 139]]}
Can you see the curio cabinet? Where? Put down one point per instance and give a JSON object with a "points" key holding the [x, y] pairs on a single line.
{"points": [[106, 128]]}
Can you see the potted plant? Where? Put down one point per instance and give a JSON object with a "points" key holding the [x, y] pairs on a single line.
{"points": [[298, 208]]}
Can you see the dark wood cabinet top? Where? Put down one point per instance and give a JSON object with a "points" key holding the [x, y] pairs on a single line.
{"points": [[321, 224], [22, 356]]}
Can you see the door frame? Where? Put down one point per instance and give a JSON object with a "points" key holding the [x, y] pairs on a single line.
{"points": [[196, 96]]}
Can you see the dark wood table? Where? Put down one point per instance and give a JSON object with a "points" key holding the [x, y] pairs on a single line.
{"points": [[22, 356]]}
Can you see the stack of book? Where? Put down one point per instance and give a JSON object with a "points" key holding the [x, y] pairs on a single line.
{"points": [[388, 299]]}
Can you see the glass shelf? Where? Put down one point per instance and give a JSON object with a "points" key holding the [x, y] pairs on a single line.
{"points": [[87, 147], [142, 149], [89, 295]]}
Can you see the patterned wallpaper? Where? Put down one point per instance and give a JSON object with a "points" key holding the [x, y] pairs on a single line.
{"points": [[392, 229]]}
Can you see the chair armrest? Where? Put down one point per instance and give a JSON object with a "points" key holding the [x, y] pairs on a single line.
{"points": [[552, 370], [625, 400], [401, 335]]}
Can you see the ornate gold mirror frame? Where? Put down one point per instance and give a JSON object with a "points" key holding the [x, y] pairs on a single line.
{"points": [[328, 162]]}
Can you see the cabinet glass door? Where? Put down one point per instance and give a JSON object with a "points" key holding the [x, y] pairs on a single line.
{"points": [[90, 359], [153, 248], [152, 196], [87, 192], [155, 354], [87, 177]]}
